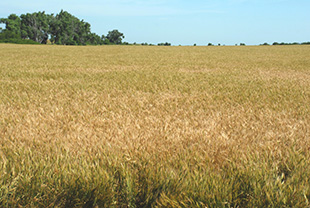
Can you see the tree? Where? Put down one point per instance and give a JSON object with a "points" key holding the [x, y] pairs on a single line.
{"points": [[35, 26], [66, 29], [104, 40], [115, 37], [93, 39], [62, 28], [164, 44], [12, 27]]}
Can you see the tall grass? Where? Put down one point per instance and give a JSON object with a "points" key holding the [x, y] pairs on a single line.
{"points": [[134, 126]]}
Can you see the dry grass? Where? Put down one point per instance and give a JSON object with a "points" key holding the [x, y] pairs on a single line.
{"points": [[133, 126]]}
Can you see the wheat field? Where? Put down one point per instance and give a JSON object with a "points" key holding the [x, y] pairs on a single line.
{"points": [[151, 126]]}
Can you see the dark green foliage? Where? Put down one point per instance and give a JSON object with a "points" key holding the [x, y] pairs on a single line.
{"points": [[164, 44], [106, 42], [265, 44], [66, 29], [12, 26], [242, 44], [115, 37], [93, 39], [18, 41], [35, 26], [12, 31], [6, 34], [62, 29], [294, 43]]}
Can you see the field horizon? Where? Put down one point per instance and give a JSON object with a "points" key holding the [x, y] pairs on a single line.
{"points": [[154, 126]]}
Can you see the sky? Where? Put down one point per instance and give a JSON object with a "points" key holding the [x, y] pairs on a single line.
{"points": [[184, 22]]}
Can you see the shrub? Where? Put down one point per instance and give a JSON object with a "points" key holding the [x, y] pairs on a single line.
{"points": [[18, 41]]}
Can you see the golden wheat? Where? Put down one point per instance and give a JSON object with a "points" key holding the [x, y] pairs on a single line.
{"points": [[134, 126]]}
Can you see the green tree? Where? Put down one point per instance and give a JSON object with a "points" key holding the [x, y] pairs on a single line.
{"points": [[115, 37], [104, 40], [12, 27], [94, 39], [164, 44], [35, 26], [66, 29], [62, 28]]}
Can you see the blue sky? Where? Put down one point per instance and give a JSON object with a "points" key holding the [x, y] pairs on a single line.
{"points": [[184, 22]]}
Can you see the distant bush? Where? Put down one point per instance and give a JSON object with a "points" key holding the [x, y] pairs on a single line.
{"points": [[242, 44], [265, 44], [294, 43], [164, 44], [18, 41]]}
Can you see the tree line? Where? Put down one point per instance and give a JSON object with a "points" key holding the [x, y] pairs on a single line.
{"points": [[65, 29], [283, 43], [62, 29]]}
